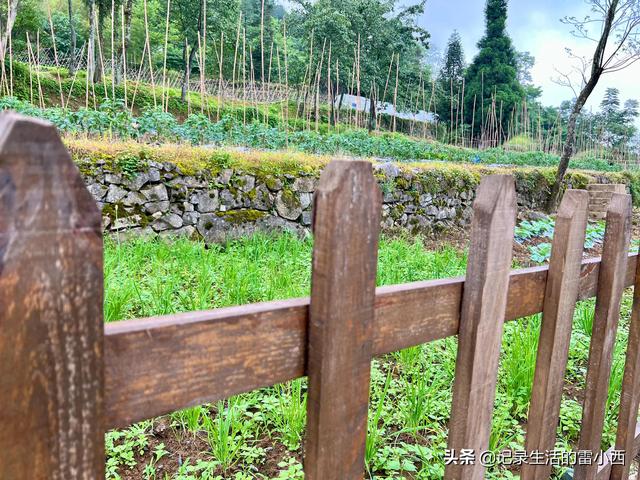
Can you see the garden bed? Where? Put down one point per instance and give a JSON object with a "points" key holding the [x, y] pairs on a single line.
{"points": [[259, 435]]}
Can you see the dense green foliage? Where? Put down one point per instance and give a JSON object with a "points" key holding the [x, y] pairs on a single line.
{"points": [[410, 390], [378, 29], [491, 79], [112, 120], [371, 30]]}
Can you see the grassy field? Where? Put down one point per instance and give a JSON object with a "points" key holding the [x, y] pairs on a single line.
{"points": [[259, 435]]}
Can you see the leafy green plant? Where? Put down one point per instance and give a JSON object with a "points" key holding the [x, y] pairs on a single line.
{"points": [[520, 345], [594, 234], [122, 446], [375, 431], [290, 413], [527, 230], [224, 433], [540, 253], [291, 469], [190, 419]]}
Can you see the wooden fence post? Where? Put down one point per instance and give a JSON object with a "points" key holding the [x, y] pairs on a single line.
{"points": [[480, 334], [51, 330], [605, 322], [630, 395], [561, 293], [346, 228]]}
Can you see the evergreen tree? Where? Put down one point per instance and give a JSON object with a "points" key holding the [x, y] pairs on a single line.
{"points": [[450, 80], [616, 124], [610, 103], [494, 71]]}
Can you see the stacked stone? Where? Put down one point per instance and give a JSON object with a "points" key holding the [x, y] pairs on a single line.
{"points": [[161, 199]]}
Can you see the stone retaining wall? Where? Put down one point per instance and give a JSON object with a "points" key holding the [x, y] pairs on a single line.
{"points": [[229, 203]]}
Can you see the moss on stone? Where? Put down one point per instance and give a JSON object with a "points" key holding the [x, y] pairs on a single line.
{"points": [[113, 211], [290, 199], [240, 216], [272, 182], [95, 157]]}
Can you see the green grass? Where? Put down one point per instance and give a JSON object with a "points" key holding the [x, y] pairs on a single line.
{"points": [[153, 277], [410, 390]]}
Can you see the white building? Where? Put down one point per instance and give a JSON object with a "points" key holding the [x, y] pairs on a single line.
{"points": [[362, 104]]}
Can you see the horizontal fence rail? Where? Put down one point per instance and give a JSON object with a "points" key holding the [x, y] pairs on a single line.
{"points": [[66, 378], [238, 349]]}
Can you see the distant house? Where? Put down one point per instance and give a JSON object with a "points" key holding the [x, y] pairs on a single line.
{"points": [[362, 104]]}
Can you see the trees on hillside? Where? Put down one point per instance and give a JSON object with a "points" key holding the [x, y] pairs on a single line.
{"points": [[617, 46], [492, 86], [366, 37]]}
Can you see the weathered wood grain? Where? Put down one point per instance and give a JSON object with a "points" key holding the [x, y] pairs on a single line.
{"points": [[630, 395], [605, 323], [345, 255], [157, 365], [238, 349], [633, 449], [51, 372], [484, 300], [561, 293]]}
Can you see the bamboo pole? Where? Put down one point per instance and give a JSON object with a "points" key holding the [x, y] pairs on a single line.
{"points": [[148, 44], [473, 117], [317, 89], [254, 92], [37, 61], [286, 82], [386, 85], [4, 82], [135, 89], [262, 41], [235, 57], [200, 67], [220, 75], [336, 119], [55, 55], [113, 58], [124, 56], [329, 97], [462, 114], [30, 69], [165, 92], [244, 77], [395, 92], [101, 60], [268, 86], [358, 83], [75, 75], [10, 39]]}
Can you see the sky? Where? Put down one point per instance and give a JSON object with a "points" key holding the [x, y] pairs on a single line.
{"points": [[534, 26]]}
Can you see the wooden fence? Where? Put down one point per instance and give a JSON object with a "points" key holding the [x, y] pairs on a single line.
{"points": [[65, 377]]}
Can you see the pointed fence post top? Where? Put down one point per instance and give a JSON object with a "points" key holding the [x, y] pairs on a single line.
{"points": [[51, 292], [42, 189]]}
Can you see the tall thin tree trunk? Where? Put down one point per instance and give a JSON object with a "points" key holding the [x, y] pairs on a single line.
{"points": [[372, 110], [597, 69], [569, 144]]}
